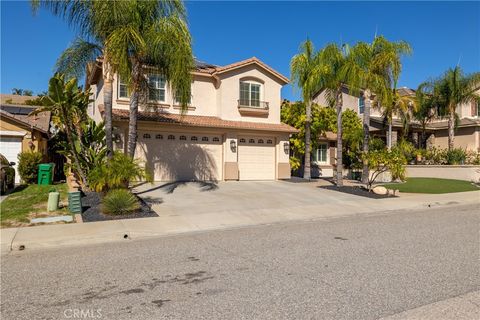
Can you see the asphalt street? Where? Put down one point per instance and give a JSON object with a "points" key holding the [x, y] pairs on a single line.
{"points": [[358, 267]]}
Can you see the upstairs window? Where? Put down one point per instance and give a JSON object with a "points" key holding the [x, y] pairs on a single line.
{"points": [[250, 94], [156, 88], [177, 100], [361, 104], [122, 89]]}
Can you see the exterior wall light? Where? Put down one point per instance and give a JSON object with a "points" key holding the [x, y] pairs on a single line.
{"points": [[286, 147], [233, 146]]}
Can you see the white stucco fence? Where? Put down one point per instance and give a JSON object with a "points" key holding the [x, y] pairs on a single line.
{"points": [[460, 172]]}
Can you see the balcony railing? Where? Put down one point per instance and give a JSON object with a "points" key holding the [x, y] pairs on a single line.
{"points": [[253, 104]]}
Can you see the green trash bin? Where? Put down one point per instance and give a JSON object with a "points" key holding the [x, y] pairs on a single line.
{"points": [[45, 173], [75, 202]]}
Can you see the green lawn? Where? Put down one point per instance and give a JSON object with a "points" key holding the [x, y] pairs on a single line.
{"points": [[432, 185], [27, 201]]}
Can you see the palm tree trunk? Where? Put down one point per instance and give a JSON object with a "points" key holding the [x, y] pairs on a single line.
{"points": [[389, 136], [307, 165], [451, 127], [107, 103], [133, 119], [80, 171], [366, 135], [339, 140]]}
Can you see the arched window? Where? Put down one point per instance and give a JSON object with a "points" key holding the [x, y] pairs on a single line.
{"points": [[260, 140], [159, 136], [250, 93], [193, 138], [146, 136], [204, 138], [183, 138], [242, 140], [269, 141], [251, 141], [171, 137], [216, 139]]}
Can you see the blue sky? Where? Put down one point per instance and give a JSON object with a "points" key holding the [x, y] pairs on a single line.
{"points": [[442, 34]]}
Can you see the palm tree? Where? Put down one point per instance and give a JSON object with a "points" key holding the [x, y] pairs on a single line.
{"points": [[451, 90], [153, 33], [17, 91], [373, 67], [331, 81], [94, 21], [395, 104], [66, 102], [304, 68], [424, 112]]}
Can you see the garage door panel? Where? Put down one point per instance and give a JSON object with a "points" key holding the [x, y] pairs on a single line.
{"points": [[177, 157], [256, 158], [10, 148]]}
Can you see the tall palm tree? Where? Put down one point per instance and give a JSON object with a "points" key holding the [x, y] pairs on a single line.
{"points": [[304, 68], [451, 90], [373, 67], [155, 34], [331, 80], [94, 21]]}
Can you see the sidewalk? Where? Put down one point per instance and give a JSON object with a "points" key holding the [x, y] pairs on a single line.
{"points": [[119, 230], [464, 307]]}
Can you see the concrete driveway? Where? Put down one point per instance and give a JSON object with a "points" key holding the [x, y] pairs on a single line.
{"points": [[244, 198]]}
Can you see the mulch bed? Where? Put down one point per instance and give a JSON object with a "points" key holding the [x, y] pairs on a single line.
{"points": [[92, 210], [357, 191]]}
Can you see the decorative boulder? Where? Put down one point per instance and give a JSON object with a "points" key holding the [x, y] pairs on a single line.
{"points": [[380, 190]]}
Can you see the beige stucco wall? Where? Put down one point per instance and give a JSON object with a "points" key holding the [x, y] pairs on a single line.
{"points": [[465, 138], [464, 110], [349, 102], [230, 93], [210, 98], [39, 142], [468, 173]]}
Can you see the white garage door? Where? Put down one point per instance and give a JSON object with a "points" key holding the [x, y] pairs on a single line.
{"points": [[10, 147], [256, 158], [181, 156]]}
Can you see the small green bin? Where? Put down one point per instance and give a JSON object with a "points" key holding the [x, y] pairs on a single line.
{"points": [[75, 202], [45, 173]]}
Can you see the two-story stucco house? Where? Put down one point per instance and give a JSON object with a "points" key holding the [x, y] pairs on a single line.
{"points": [[231, 131]]}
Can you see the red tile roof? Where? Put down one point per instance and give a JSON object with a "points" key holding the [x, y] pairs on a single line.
{"points": [[202, 121]]}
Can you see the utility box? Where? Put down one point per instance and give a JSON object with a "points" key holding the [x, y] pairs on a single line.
{"points": [[45, 173], [75, 202], [53, 200]]}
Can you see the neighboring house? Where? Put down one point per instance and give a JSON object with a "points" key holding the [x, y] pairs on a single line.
{"points": [[467, 131], [231, 130], [20, 132]]}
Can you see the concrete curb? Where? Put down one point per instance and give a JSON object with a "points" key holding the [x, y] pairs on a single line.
{"points": [[79, 234]]}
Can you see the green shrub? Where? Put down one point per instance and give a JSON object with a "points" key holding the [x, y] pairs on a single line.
{"points": [[456, 156], [28, 166], [376, 144], [473, 158], [436, 156], [407, 149], [117, 173], [120, 202]]}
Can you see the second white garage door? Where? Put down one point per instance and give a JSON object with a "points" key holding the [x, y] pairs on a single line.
{"points": [[256, 158], [181, 156]]}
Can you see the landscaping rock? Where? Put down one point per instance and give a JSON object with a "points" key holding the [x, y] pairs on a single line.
{"points": [[92, 209], [380, 190]]}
